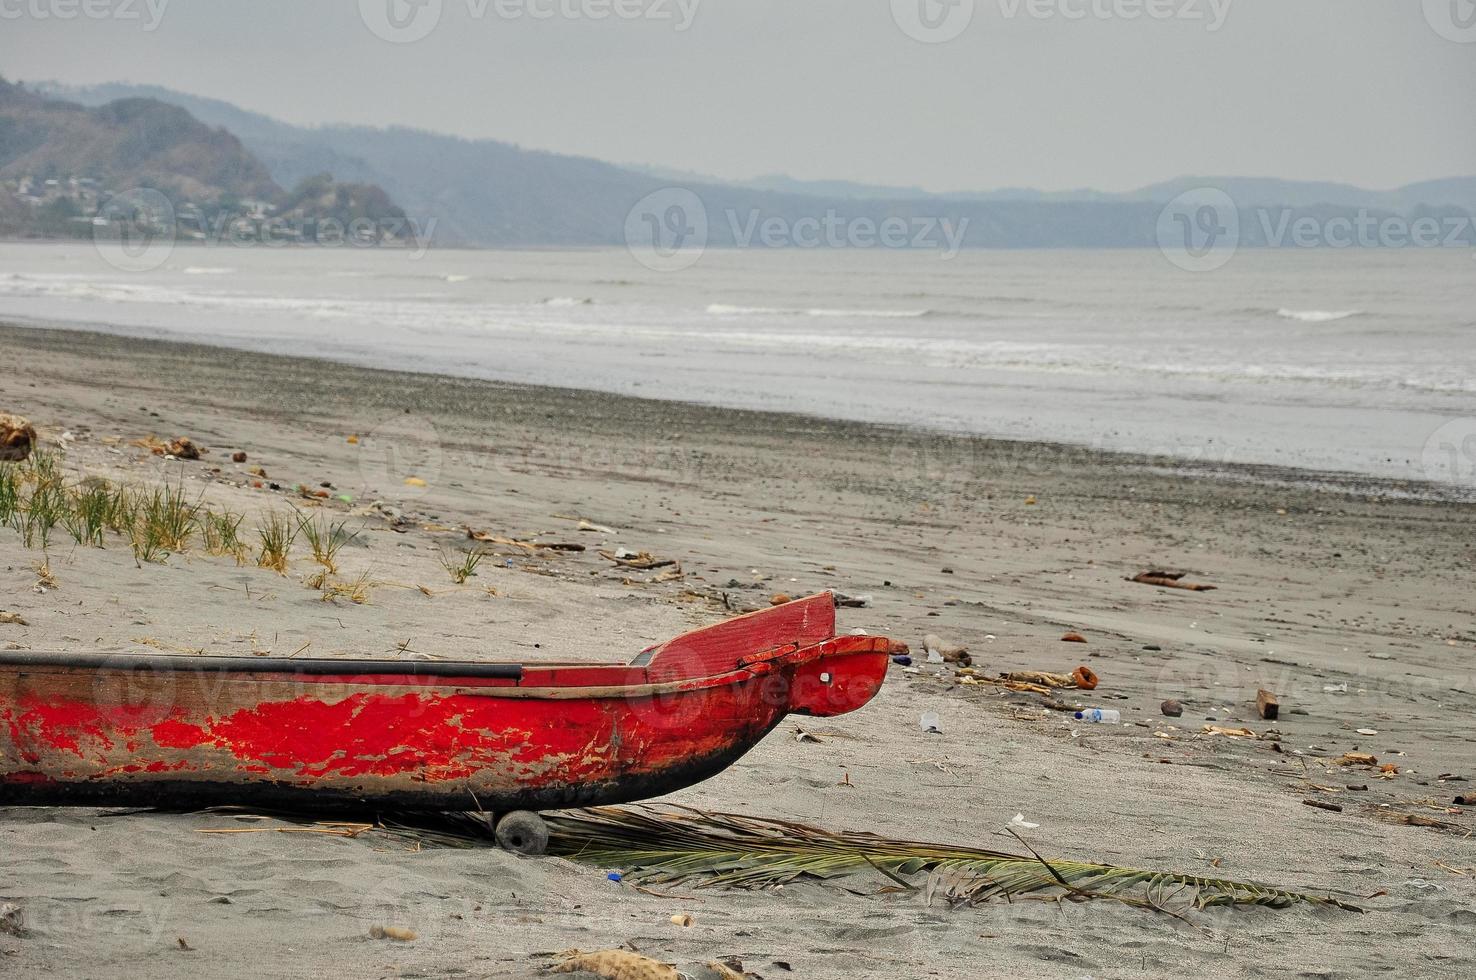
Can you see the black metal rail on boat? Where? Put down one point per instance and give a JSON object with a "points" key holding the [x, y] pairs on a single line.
{"points": [[257, 665]]}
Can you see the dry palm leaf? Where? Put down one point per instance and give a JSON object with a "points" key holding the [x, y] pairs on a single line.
{"points": [[671, 844]]}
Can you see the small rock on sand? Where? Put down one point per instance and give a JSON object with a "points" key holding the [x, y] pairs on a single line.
{"points": [[17, 438], [396, 933]]}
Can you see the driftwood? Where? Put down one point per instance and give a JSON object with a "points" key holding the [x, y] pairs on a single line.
{"points": [[643, 562], [529, 546], [1034, 681], [1170, 580], [1267, 705]]}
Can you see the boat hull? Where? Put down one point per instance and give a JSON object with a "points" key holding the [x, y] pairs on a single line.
{"points": [[190, 732]]}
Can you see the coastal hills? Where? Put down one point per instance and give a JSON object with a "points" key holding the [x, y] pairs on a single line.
{"points": [[61, 163]]}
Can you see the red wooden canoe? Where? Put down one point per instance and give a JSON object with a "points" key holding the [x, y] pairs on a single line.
{"points": [[197, 731]]}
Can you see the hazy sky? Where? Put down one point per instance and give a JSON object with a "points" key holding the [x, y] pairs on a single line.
{"points": [[1046, 93]]}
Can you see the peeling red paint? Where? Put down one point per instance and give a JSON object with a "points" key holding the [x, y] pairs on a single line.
{"points": [[576, 732], [66, 726]]}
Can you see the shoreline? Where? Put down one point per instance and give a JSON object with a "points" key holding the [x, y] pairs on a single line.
{"points": [[1209, 370], [1271, 476]]}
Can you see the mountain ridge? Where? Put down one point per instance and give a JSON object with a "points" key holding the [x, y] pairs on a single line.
{"points": [[496, 193]]}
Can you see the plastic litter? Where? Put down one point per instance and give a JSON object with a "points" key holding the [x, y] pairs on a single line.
{"points": [[931, 723], [1100, 716]]}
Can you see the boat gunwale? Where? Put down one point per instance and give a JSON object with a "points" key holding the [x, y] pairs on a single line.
{"points": [[389, 673], [38, 659]]}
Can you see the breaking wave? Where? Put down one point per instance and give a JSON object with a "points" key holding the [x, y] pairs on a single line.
{"points": [[1316, 316], [724, 309]]}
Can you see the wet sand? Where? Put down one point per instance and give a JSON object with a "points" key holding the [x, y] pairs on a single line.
{"points": [[1321, 583]]}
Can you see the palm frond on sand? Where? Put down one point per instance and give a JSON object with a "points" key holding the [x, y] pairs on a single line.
{"points": [[665, 845]]}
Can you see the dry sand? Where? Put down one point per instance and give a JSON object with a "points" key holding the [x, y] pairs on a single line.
{"points": [[1319, 586]]}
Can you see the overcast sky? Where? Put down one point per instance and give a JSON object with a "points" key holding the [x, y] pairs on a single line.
{"points": [[1027, 93]]}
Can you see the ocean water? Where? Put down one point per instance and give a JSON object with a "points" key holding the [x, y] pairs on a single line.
{"points": [[1352, 361]]}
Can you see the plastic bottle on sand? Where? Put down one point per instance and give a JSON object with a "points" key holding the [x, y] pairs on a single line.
{"points": [[1100, 716]]}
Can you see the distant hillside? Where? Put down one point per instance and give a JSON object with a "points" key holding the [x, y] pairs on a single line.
{"points": [[1246, 192], [1250, 192], [130, 143], [481, 192], [486, 192], [60, 161]]}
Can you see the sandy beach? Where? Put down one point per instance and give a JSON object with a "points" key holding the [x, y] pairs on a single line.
{"points": [[1351, 599]]}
